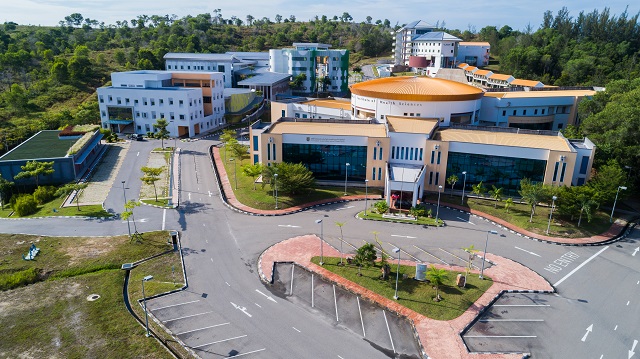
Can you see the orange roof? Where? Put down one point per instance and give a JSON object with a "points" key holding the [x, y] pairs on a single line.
{"points": [[482, 72], [416, 88], [553, 143], [502, 77], [471, 69], [473, 43], [412, 124], [463, 65], [519, 82], [330, 104]]}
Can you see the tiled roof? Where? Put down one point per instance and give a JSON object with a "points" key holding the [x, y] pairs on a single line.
{"points": [[416, 88], [482, 72], [554, 143], [520, 82], [264, 78], [501, 77], [436, 36]]}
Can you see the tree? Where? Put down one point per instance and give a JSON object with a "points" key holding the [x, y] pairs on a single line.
{"points": [[238, 150], [293, 178], [35, 169], [346, 17], [72, 187], [437, 277], [151, 176], [451, 180], [128, 213], [365, 256], [340, 225], [381, 207], [606, 180], [417, 211], [278, 18], [508, 204], [250, 19], [74, 19], [496, 193], [471, 251], [6, 190], [585, 204], [478, 189], [161, 130], [532, 193], [253, 171]]}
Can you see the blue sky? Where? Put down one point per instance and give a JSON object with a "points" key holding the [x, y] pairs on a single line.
{"points": [[459, 14]]}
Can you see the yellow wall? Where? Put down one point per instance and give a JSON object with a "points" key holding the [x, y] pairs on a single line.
{"points": [[435, 167], [264, 142], [276, 110], [385, 145], [570, 160]]}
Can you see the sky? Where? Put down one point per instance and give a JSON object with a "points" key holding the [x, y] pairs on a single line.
{"points": [[458, 15]]}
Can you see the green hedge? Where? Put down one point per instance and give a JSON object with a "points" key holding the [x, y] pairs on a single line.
{"points": [[18, 279]]}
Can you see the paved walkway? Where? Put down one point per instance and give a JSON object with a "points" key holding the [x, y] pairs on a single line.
{"points": [[233, 201], [101, 181], [441, 339]]}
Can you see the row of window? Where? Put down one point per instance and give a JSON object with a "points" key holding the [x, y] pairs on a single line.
{"points": [[196, 67], [147, 102], [407, 153], [555, 171], [437, 178], [376, 152], [373, 173], [559, 109], [271, 148]]}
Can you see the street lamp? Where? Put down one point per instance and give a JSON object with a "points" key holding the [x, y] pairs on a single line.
{"points": [[319, 221], [438, 208], [616, 200], [275, 182], [235, 173], [124, 194], [366, 194], [346, 176], [484, 255], [144, 301], [553, 204], [397, 250], [464, 184]]}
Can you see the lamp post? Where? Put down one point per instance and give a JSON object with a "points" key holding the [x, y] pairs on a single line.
{"points": [[144, 301], [553, 204], [438, 208], [615, 201], [346, 176], [275, 181], [235, 173], [464, 184], [124, 194], [319, 221], [366, 195], [397, 250], [484, 255]]}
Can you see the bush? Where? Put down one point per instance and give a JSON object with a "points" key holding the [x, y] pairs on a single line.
{"points": [[18, 279], [24, 205], [150, 134], [44, 194], [381, 207]]}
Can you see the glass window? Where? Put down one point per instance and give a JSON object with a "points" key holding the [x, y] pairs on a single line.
{"points": [[393, 152], [430, 178], [379, 173], [255, 143], [439, 155], [421, 154], [564, 167], [555, 172], [373, 173], [433, 155], [327, 162], [584, 164], [268, 153], [275, 158], [375, 153], [380, 157], [437, 178], [411, 154]]}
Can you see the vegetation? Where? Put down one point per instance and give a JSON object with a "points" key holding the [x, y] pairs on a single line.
{"points": [[292, 178], [72, 187], [35, 169], [151, 176], [423, 221], [161, 132]]}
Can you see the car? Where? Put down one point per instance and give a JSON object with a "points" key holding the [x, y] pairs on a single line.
{"points": [[137, 137]]}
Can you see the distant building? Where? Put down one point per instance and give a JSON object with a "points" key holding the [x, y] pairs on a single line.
{"points": [[270, 83], [433, 51], [192, 102], [403, 40], [326, 70], [474, 53]]}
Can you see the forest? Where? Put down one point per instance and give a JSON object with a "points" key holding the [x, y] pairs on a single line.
{"points": [[48, 75]]}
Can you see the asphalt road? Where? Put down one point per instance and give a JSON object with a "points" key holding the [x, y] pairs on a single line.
{"points": [[598, 287]]}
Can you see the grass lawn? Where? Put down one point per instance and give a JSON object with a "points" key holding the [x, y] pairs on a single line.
{"points": [[415, 295], [162, 202], [519, 215], [424, 221], [263, 198], [48, 208], [53, 318]]}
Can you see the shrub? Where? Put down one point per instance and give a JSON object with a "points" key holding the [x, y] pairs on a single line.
{"points": [[381, 207], [18, 279], [25, 205], [44, 194], [150, 134]]}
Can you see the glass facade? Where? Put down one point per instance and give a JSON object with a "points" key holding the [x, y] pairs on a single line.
{"points": [[505, 172], [328, 162]]}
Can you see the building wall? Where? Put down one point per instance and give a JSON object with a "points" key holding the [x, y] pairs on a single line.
{"points": [[480, 53], [378, 164], [223, 67], [557, 111]]}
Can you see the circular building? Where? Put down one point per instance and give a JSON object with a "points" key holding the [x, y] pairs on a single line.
{"points": [[416, 96]]}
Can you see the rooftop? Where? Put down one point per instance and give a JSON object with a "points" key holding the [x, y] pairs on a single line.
{"points": [[418, 24], [191, 56], [411, 124], [482, 72], [436, 36], [351, 128], [44, 144], [345, 105], [501, 77], [416, 88], [533, 94], [404, 173], [264, 78], [554, 143], [520, 82], [474, 43]]}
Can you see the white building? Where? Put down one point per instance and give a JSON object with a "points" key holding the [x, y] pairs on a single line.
{"points": [[474, 53], [326, 70], [432, 51], [403, 40], [190, 102]]}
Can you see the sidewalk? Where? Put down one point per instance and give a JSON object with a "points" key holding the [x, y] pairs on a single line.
{"points": [[440, 339], [231, 200]]}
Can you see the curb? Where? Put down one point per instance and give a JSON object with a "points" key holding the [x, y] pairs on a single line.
{"points": [[44, 217]]}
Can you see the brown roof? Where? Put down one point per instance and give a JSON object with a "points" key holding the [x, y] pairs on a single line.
{"points": [[474, 43], [520, 82], [417, 88], [330, 104], [411, 124], [463, 65], [333, 129], [502, 77], [471, 68], [554, 143], [482, 72], [529, 94]]}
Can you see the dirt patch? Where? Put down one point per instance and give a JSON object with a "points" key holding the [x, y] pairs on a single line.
{"points": [[92, 248]]}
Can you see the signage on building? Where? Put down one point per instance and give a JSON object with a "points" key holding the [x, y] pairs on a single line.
{"points": [[325, 140]]}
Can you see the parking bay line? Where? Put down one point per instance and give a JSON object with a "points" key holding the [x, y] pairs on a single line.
{"points": [[405, 252], [209, 327], [174, 305], [580, 266], [463, 261], [219, 341], [432, 255], [251, 352], [510, 320], [500, 336], [188, 316], [521, 305]]}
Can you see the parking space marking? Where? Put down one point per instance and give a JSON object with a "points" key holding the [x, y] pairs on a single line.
{"points": [[185, 317], [464, 261], [464, 220], [175, 305], [340, 209], [164, 218], [510, 320], [296, 329], [580, 266], [209, 327], [500, 336], [219, 341], [432, 255], [361, 321], [397, 235], [524, 250], [242, 309], [292, 268], [258, 305], [616, 328], [521, 305], [251, 352], [628, 302], [405, 252], [335, 302], [388, 330]]}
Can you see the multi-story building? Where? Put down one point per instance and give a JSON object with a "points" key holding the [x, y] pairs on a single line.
{"points": [[433, 50], [474, 53], [403, 40], [326, 70], [192, 102]]}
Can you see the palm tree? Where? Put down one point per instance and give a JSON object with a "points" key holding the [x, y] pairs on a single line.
{"points": [[496, 193], [471, 250], [479, 189], [437, 277], [586, 204], [508, 203], [340, 224], [451, 180], [533, 193]]}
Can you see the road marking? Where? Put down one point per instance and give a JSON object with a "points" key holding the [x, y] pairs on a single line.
{"points": [[291, 290], [209, 193], [137, 154], [211, 260], [631, 352], [638, 282], [204, 225], [397, 235], [589, 330], [189, 196], [340, 357], [524, 250], [257, 305], [388, 330], [580, 266], [340, 209], [500, 336], [511, 320], [635, 251], [628, 302], [561, 262], [335, 302], [268, 297], [521, 305], [188, 316], [405, 252], [228, 285], [251, 352], [432, 256], [164, 217], [294, 328], [288, 226], [219, 341], [361, 321], [174, 305], [209, 327], [463, 261], [242, 309], [464, 220], [206, 241], [616, 328]]}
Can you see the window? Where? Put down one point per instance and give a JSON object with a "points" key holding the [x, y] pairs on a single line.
{"points": [[170, 101], [411, 154], [420, 154], [439, 153], [180, 102], [172, 116], [255, 143], [430, 178], [393, 152], [182, 117], [274, 152], [437, 178], [504, 112], [119, 101], [433, 157], [555, 172], [375, 152], [101, 99], [268, 153], [373, 173], [380, 157], [535, 112], [524, 112], [564, 167], [584, 164], [379, 173], [514, 112], [284, 113], [153, 102], [543, 111]]}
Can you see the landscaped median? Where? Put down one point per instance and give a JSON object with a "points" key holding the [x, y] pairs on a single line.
{"points": [[440, 339], [400, 218]]}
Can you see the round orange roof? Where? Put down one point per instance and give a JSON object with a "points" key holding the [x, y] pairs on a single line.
{"points": [[417, 88]]}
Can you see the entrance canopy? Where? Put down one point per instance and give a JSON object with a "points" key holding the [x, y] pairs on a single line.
{"points": [[403, 179]]}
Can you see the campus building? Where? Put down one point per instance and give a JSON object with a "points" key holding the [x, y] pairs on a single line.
{"points": [[192, 102], [403, 40], [474, 53], [408, 134], [326, 70]]}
